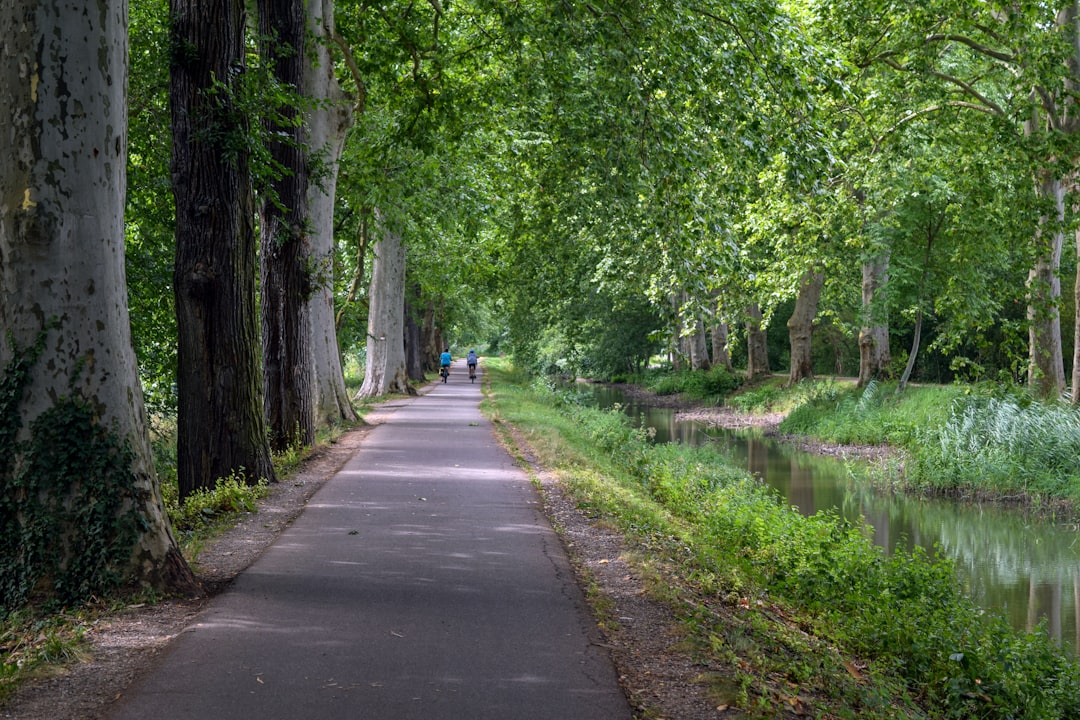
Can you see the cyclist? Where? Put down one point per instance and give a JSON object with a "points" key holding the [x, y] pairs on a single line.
{"points": [[471, 360], [444, 364]]}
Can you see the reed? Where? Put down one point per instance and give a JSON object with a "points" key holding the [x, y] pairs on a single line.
{"points": [[1004, 445]]}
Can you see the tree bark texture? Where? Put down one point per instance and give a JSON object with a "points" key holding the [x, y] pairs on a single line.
{"points": [[63, 158], [431, 338], [875, 359], [288, 360], [414, 348], [1075, 397], [699, 348], [221, 428], [801, 327], [385, 370], [328, 122], [757, 364], [719, 331], [1046, 367]]}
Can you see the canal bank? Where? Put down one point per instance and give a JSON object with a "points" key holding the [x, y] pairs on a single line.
{"points": [[774, 607], [1020, 564]]}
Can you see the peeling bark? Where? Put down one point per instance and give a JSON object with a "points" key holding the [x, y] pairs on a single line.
{"points": [[875, 359], [757, 364], [385, 371], [63, 162], [801, 327], [328, 124]]}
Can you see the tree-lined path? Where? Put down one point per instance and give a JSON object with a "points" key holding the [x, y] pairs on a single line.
{"points": [[422, 581]]}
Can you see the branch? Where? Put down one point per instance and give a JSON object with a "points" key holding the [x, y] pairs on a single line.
{"points": [[988, 105], [354, 68], [997, 110], [977, 47], [926, 111]]}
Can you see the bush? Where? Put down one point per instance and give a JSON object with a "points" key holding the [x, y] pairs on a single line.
{"points": [[203, 507]]}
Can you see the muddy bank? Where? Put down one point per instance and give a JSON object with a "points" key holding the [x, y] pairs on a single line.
{"points": [[730, 418]]}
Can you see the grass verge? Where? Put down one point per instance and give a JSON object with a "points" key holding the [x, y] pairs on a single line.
{"points": [[801, 614]]}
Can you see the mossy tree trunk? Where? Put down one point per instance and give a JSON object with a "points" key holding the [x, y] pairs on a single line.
{"points": [[221, 428], [285, 256], [82, 508]]}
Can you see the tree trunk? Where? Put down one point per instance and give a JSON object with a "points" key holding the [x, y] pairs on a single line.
{"points": [[696, 346], [801, 327], [699, 349], [431, 338], [288, 373], [875, 360], [328, 123], [82, 505], [414, 347], [676, 336], [385, 371], [720, 353], [220, 427], [1076, 337], [1046, 368], [757, 364]]}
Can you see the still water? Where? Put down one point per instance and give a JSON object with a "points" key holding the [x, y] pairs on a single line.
{"points": [[1028, 569]]}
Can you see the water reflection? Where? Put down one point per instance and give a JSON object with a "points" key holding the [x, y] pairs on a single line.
{"points": [[1028, 569]]}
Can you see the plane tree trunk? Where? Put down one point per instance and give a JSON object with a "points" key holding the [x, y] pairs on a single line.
{"points": [[82, 510]]}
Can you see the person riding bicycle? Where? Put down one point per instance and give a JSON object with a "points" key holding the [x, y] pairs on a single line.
{"points": [[444, 359], [471, 360]]}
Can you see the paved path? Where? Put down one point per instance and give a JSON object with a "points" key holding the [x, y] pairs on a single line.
{"points": [[422, 581]]}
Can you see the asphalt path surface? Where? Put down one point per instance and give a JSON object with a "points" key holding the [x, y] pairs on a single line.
{"points": [[422, 581]]}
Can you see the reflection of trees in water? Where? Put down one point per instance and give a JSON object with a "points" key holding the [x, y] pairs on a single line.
{"points": [[1027, 569]]}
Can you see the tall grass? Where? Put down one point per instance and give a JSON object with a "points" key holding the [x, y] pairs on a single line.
{"points": [[873, 415], [1004, 445], [724, 535]]}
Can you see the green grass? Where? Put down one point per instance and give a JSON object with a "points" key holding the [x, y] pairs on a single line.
{"points": [[797, 605], [956, 439]]}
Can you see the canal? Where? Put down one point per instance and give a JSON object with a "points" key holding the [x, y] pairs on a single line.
{"points": [[1027, 568]]}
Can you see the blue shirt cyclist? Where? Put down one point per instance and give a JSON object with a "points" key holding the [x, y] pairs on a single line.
{"points": [[444, 359]]}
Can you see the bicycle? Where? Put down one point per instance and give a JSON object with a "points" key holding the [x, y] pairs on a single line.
{"points": [[472, 373], [444, 371]]}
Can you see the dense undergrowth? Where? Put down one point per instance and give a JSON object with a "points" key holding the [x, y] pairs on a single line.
{"points": [[986, 440], [955, 439], [793, 607]]}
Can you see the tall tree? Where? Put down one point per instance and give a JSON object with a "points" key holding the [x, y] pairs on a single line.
{"points": [[801, 327], [80, 506], [285, 257], [329, 118], [386, 372], [221, 428]]}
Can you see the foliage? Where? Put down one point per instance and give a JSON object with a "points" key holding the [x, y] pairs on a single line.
{"points": [[874, 415], [723, 535], [205, 508], [714, 384], [68, 507], [1002, 444]]}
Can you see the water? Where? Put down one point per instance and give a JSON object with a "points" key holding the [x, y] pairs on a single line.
{"points": [[1028, 569]]}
